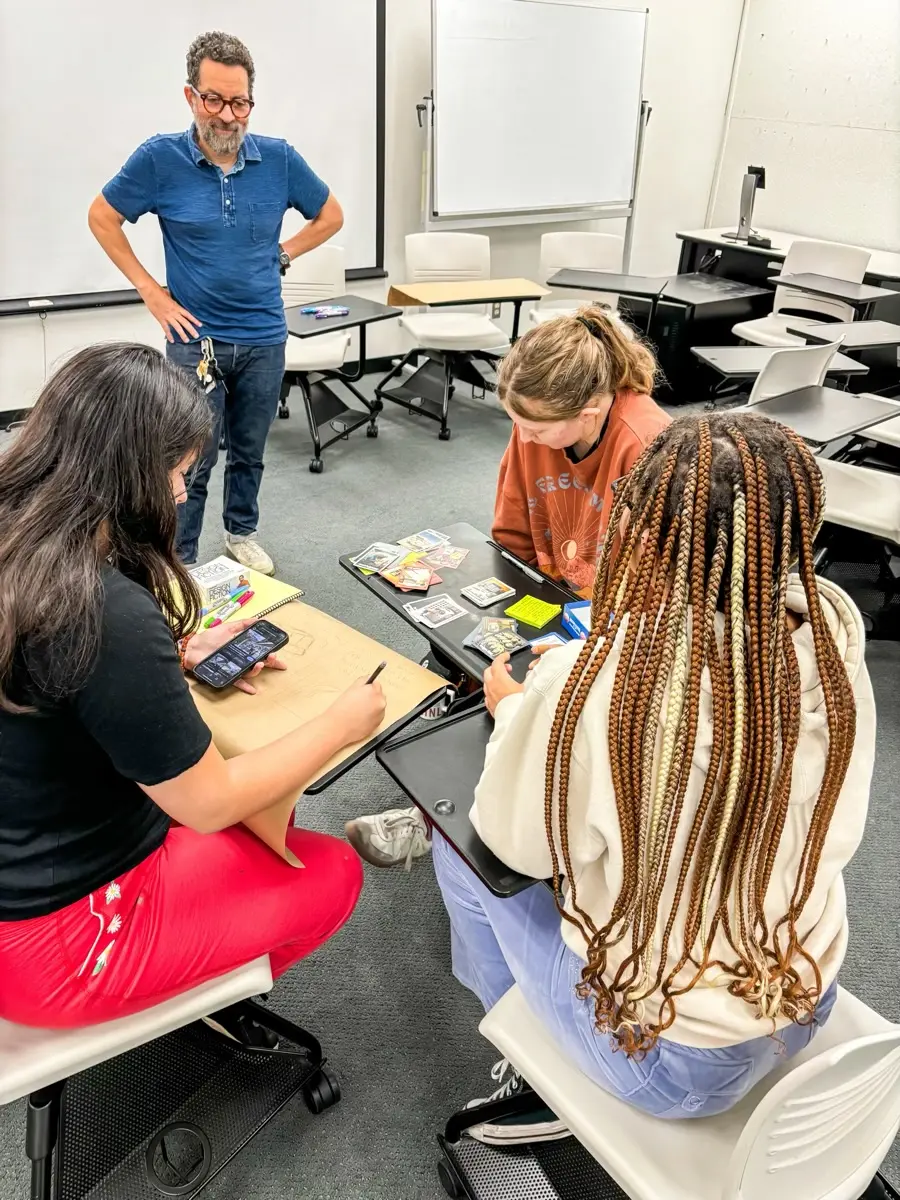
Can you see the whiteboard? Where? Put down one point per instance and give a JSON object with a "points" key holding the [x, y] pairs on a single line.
{"points": [[536, 105], [86, 83]]}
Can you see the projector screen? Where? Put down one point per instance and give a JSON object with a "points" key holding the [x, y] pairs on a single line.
{"points": [[536, 105], [86, 83]]}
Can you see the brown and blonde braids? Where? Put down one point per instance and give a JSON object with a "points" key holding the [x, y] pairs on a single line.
{"points": [[692, 585]]}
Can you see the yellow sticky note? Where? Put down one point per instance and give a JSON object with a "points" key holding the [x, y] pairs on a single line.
{"points": [[533, 612]]}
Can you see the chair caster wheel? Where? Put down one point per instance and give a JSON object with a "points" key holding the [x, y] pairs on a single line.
{"points": [[449, 1180], [444, 435], [372, 431], [283, 412], [316, 466], [322, 1092]]}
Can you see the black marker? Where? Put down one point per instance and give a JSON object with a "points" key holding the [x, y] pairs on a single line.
{"points": [[376, 673]]}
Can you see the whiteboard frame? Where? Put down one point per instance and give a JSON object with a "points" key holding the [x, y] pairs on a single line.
{"points": [[434, 221]]}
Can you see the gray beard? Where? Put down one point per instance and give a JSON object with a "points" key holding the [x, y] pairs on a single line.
{"points": [[221, 141]]}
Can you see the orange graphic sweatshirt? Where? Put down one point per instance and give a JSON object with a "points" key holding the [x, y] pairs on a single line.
{"points": [[552, 512]]}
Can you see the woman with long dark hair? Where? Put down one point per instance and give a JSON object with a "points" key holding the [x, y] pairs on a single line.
{"points": [[694, 777], [125, 875]]}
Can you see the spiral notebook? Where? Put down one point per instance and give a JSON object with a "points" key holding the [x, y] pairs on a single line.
{"points": [[268, 595]]}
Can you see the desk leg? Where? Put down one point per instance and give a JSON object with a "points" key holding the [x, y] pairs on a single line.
{"points": [[517, 312], [687, 262], [361, 364]]}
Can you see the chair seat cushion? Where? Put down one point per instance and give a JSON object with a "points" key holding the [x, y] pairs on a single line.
{"points": [[34, 1058], [683, 1152], [454, 331], [863, 499], [773, 330], [325, 352]]}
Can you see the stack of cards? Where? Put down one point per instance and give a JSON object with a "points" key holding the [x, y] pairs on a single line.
{"points": [[435, 611], [411, 577], [377, 557], [495, 635], [488, 591]]}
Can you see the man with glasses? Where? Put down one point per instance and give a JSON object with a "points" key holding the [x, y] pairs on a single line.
{"points": [[220, 195]]}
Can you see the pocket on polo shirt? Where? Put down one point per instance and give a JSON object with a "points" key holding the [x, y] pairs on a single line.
{"points": [[265, 222]]}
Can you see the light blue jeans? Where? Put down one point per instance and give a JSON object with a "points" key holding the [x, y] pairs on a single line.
{"points": [[497, 943]]}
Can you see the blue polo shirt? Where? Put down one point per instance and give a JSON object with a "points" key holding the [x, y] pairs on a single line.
{"points": [[220, 232]]}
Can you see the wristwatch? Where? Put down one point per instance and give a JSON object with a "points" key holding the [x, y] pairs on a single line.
{"points": [[284, 259]]}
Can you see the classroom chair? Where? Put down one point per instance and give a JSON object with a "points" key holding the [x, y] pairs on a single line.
{"points": [[792, 307], [452, 341], [820, 1126], [788, 370], [43, 1065], [310, 279], [576, 252]]}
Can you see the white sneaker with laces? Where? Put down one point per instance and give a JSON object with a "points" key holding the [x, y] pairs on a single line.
{"points": [[539, 1124], [390, 838], [249, 553]]}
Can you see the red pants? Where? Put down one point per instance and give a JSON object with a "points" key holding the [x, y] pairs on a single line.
{"points": [[197, 908]]}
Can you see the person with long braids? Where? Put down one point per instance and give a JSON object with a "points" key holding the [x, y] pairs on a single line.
{"points": [[693, 777]]}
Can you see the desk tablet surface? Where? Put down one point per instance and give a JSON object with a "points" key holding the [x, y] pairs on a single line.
{"points": [[825, 285], [362, 312], [747, 361], [701, 288], [823, 414], [853, 335], [444, 764], [647, 286], [481, 562]]}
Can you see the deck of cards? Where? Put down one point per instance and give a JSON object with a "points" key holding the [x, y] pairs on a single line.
{"points": [[424, 540], [434, 611], [493, 636], [445, 556], [487, 592]]}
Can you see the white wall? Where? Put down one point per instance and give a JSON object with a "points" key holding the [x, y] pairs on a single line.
{"points": [[691, 47], [817, 103]]}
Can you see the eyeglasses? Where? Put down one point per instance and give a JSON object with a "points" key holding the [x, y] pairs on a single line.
{"points": [[214, 103]]}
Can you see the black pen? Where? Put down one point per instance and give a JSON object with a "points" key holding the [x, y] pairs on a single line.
{"points": [[376, 673]]}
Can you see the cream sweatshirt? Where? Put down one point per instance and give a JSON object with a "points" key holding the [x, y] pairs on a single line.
{"points": [[509, 814]]}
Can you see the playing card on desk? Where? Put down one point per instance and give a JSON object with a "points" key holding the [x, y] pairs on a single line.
{"points": [[487, 592], [436, 611], [411, 578], [445, 556], [491, 641], [424, 540], [377, 556]]}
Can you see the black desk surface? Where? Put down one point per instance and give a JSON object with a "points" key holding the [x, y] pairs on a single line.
{"points": [[362, 312], [824, 285], [700, 288], [604, 281], [444, 763], [853, 335], [823, 414], [746, 361], [481, 561]]}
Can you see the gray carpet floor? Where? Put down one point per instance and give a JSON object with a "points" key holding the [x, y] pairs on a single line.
{"points": [[397, 1028]]}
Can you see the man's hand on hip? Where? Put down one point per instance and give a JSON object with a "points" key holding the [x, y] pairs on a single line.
{"points": [[172, 317]]}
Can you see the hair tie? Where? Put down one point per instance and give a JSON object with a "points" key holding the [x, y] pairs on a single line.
{"points": [[591, 326]]}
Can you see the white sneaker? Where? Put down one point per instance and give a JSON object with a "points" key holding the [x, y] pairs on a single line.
{"points": [[390, 838], [539, 1124], [249, 553]]}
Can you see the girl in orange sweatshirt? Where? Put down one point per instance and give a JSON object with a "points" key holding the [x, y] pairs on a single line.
{"points": [[578, 391]]}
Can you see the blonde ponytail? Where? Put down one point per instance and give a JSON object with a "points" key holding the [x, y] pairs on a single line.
{"points": [[565, 363]]}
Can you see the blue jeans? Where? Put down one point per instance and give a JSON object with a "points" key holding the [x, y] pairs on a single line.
{"points": [[243, 405], [497, 943]]}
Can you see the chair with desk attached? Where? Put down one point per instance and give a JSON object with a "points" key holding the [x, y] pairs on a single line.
{"points": [[817, 1128], [790, 370], [794, 308], [155, 1102], [576, 252], [453, 342]]}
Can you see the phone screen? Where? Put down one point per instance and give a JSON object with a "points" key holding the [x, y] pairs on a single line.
{"points": [[240, 654]]}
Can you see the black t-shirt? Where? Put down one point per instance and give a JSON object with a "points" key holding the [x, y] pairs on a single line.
{"points": [[72, 816]]}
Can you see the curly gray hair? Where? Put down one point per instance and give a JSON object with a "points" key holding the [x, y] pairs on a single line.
{"points": [[222, 48]]}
